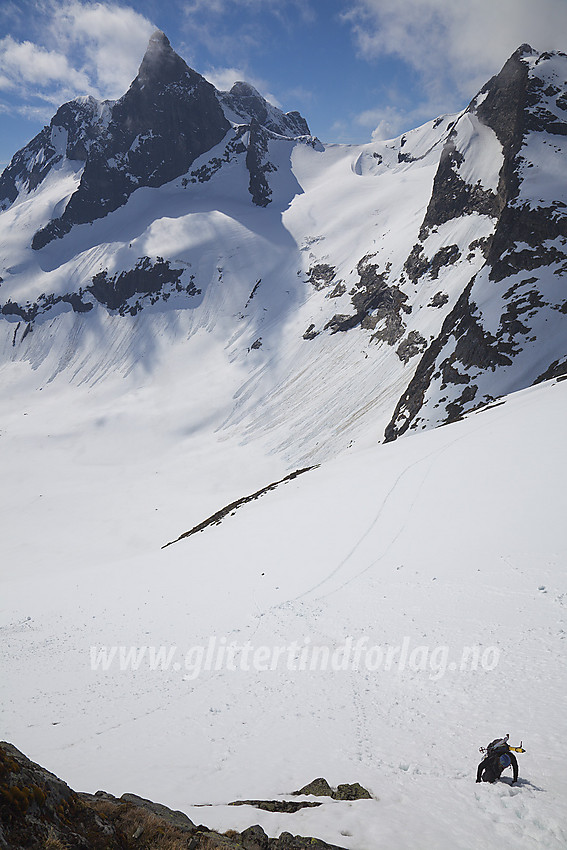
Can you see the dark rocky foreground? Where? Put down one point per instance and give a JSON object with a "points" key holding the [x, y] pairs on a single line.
{"points": [[38, 810]]}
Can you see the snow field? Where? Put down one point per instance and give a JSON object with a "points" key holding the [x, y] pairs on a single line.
{"points": [[448, 539]]}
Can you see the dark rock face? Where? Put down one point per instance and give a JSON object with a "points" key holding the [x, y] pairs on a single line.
{"points": [[524, 257], [374, 301], [353, 791], [310, 333], [503, 98], [36, 807], [413, 344], [285, 806], [177, 819], [287, 841], [233, 148], [73, 130], [127, 292], [147, 278], [473, 347], [417, 265], [452, 197], [258, 164], [321, 275], [228, 510], [501, 107], [38, 811], [44, 303], [169, 116], [254, 838]]}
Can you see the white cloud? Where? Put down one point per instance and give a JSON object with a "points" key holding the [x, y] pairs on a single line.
{"points": [[389, 121], [224, 78], [42, 114], [453, 45], [386, 122], [221, 7], [456, 45], [85, 48], [111, 40], [30, 66], [300, 94]]}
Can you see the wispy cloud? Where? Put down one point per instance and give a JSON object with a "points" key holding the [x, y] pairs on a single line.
{"points": [[389, 121], [455, 46], [232, 29], [110, 38], [224, 78], [80, 48], [281, 8], [300, 94], [30, 67], [386, 123]]}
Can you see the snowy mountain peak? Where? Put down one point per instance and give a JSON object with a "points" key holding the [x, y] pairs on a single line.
{"points": [[242, 89], [243, 103], [429, 266], [169, 117], [524, 50]]}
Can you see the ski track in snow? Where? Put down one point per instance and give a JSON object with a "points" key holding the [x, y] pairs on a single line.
{"points": [[355, 559], [117, 431]]}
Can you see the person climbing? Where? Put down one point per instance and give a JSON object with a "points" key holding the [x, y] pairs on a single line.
{"points": [[498, 757]]}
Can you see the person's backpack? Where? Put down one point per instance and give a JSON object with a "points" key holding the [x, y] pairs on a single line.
{"points": [[498, 747]]}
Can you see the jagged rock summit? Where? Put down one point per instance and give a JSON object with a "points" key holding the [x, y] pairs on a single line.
{"points": [[169, 117]]}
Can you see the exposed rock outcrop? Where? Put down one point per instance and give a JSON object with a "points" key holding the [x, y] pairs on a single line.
{"points": [[218, 517], [321, 788], [285, 806], [38, 811], [488, 340]]}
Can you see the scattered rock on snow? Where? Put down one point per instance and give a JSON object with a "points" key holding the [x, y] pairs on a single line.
{"points": [[318, 788], [321, 788], [285, 806]]}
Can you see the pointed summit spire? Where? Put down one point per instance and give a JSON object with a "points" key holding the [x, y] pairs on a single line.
{"points": [[160, 63], [158, 40]]}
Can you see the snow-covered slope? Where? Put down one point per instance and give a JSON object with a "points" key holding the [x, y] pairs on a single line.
{"points": [[438, 542]]}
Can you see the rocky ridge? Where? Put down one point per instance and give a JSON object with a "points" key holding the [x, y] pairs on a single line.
{"points": [[526, 255], [38, 810]]}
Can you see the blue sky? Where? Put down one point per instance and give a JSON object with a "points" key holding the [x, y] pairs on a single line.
{"points": [[354, 68]]}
